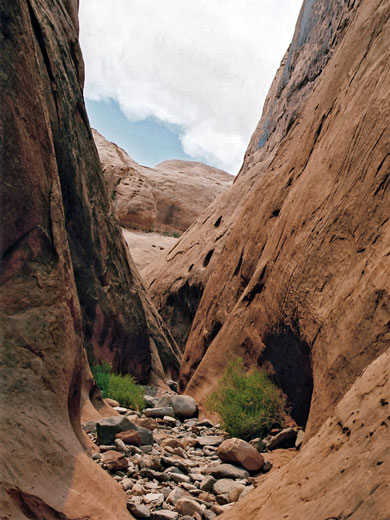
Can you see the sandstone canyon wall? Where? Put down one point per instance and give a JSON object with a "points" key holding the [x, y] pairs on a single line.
{"points": [[290, 268], [66, 279], [119, 323]]}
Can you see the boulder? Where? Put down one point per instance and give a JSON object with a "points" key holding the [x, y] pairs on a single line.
{"points": [[131, 437], [138, 510], [151, 461], [179, 478], [120, 409], [284, 439], [114, 460], [145, 422], [207, 483], [210, 440], [146, 436], [107, 428], [111, 402], [235, 493], [159, 411], [224, 486], [184, 406], [171, 442], [226, 471], [237, 451], [121, 446], [164, 514], [127, 484], [186, 506], [154, 498], [175, 495], [150, 401]]}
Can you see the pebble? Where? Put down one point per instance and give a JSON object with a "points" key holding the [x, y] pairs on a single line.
{"points": [[164, 514], [120, 409], [175, 473], [159, 412]]}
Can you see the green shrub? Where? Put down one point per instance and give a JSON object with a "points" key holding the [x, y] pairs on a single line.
{"points": [[121, 388], [124, 390], [101, 374], [249, 404]]}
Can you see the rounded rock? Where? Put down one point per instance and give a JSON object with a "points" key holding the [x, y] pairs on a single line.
{"points": [[237, 451]]}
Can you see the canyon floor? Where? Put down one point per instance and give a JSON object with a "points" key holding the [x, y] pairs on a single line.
{"points": [[287, 267], [175, 468]]}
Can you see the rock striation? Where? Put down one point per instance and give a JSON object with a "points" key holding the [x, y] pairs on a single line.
{"points": [[288, 269]]}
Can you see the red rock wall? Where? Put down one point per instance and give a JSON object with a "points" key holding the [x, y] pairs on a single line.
{"points": [[297, 278], [119, 324], [66, 278]]}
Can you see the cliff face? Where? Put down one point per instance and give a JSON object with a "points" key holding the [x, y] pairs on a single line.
{"points": [[291, 265], [166, 198], [66, 279], [293, 274], [186, 269], [118, 322]]}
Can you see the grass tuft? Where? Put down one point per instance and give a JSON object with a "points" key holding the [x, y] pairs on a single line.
{"points": [[121, 388], [249, 404]]}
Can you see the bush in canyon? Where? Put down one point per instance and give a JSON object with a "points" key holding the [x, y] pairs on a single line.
{"points": [[249, 404], [101, 374], [122, 388]]}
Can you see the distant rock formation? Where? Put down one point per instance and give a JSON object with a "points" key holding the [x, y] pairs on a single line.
{"points": [[157, 204], [67, 281], [289, 268], [166, 198]]}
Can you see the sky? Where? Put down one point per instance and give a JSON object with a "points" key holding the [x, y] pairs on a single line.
{"points": [[182, 79]]}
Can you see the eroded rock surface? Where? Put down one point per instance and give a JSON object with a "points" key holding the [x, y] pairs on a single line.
{"points": [[118, 323], [67, 281], [165, 199], [343, 471], [288, 269], [168, 197]]}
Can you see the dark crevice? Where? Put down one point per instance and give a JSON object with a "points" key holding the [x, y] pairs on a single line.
{"points": [[275, 213], [238, 266], [218, 221], [207, 258], [385, 183], [208, 339], [180, 309], [287, 359], [257, 289]]}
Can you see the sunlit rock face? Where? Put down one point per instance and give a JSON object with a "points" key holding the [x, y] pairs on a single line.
{"points": [[67, 281], [289, 268], [167, 198], [155, 205]]}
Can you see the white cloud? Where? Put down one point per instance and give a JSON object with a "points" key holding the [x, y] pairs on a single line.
{"points": [[205, 65]]}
